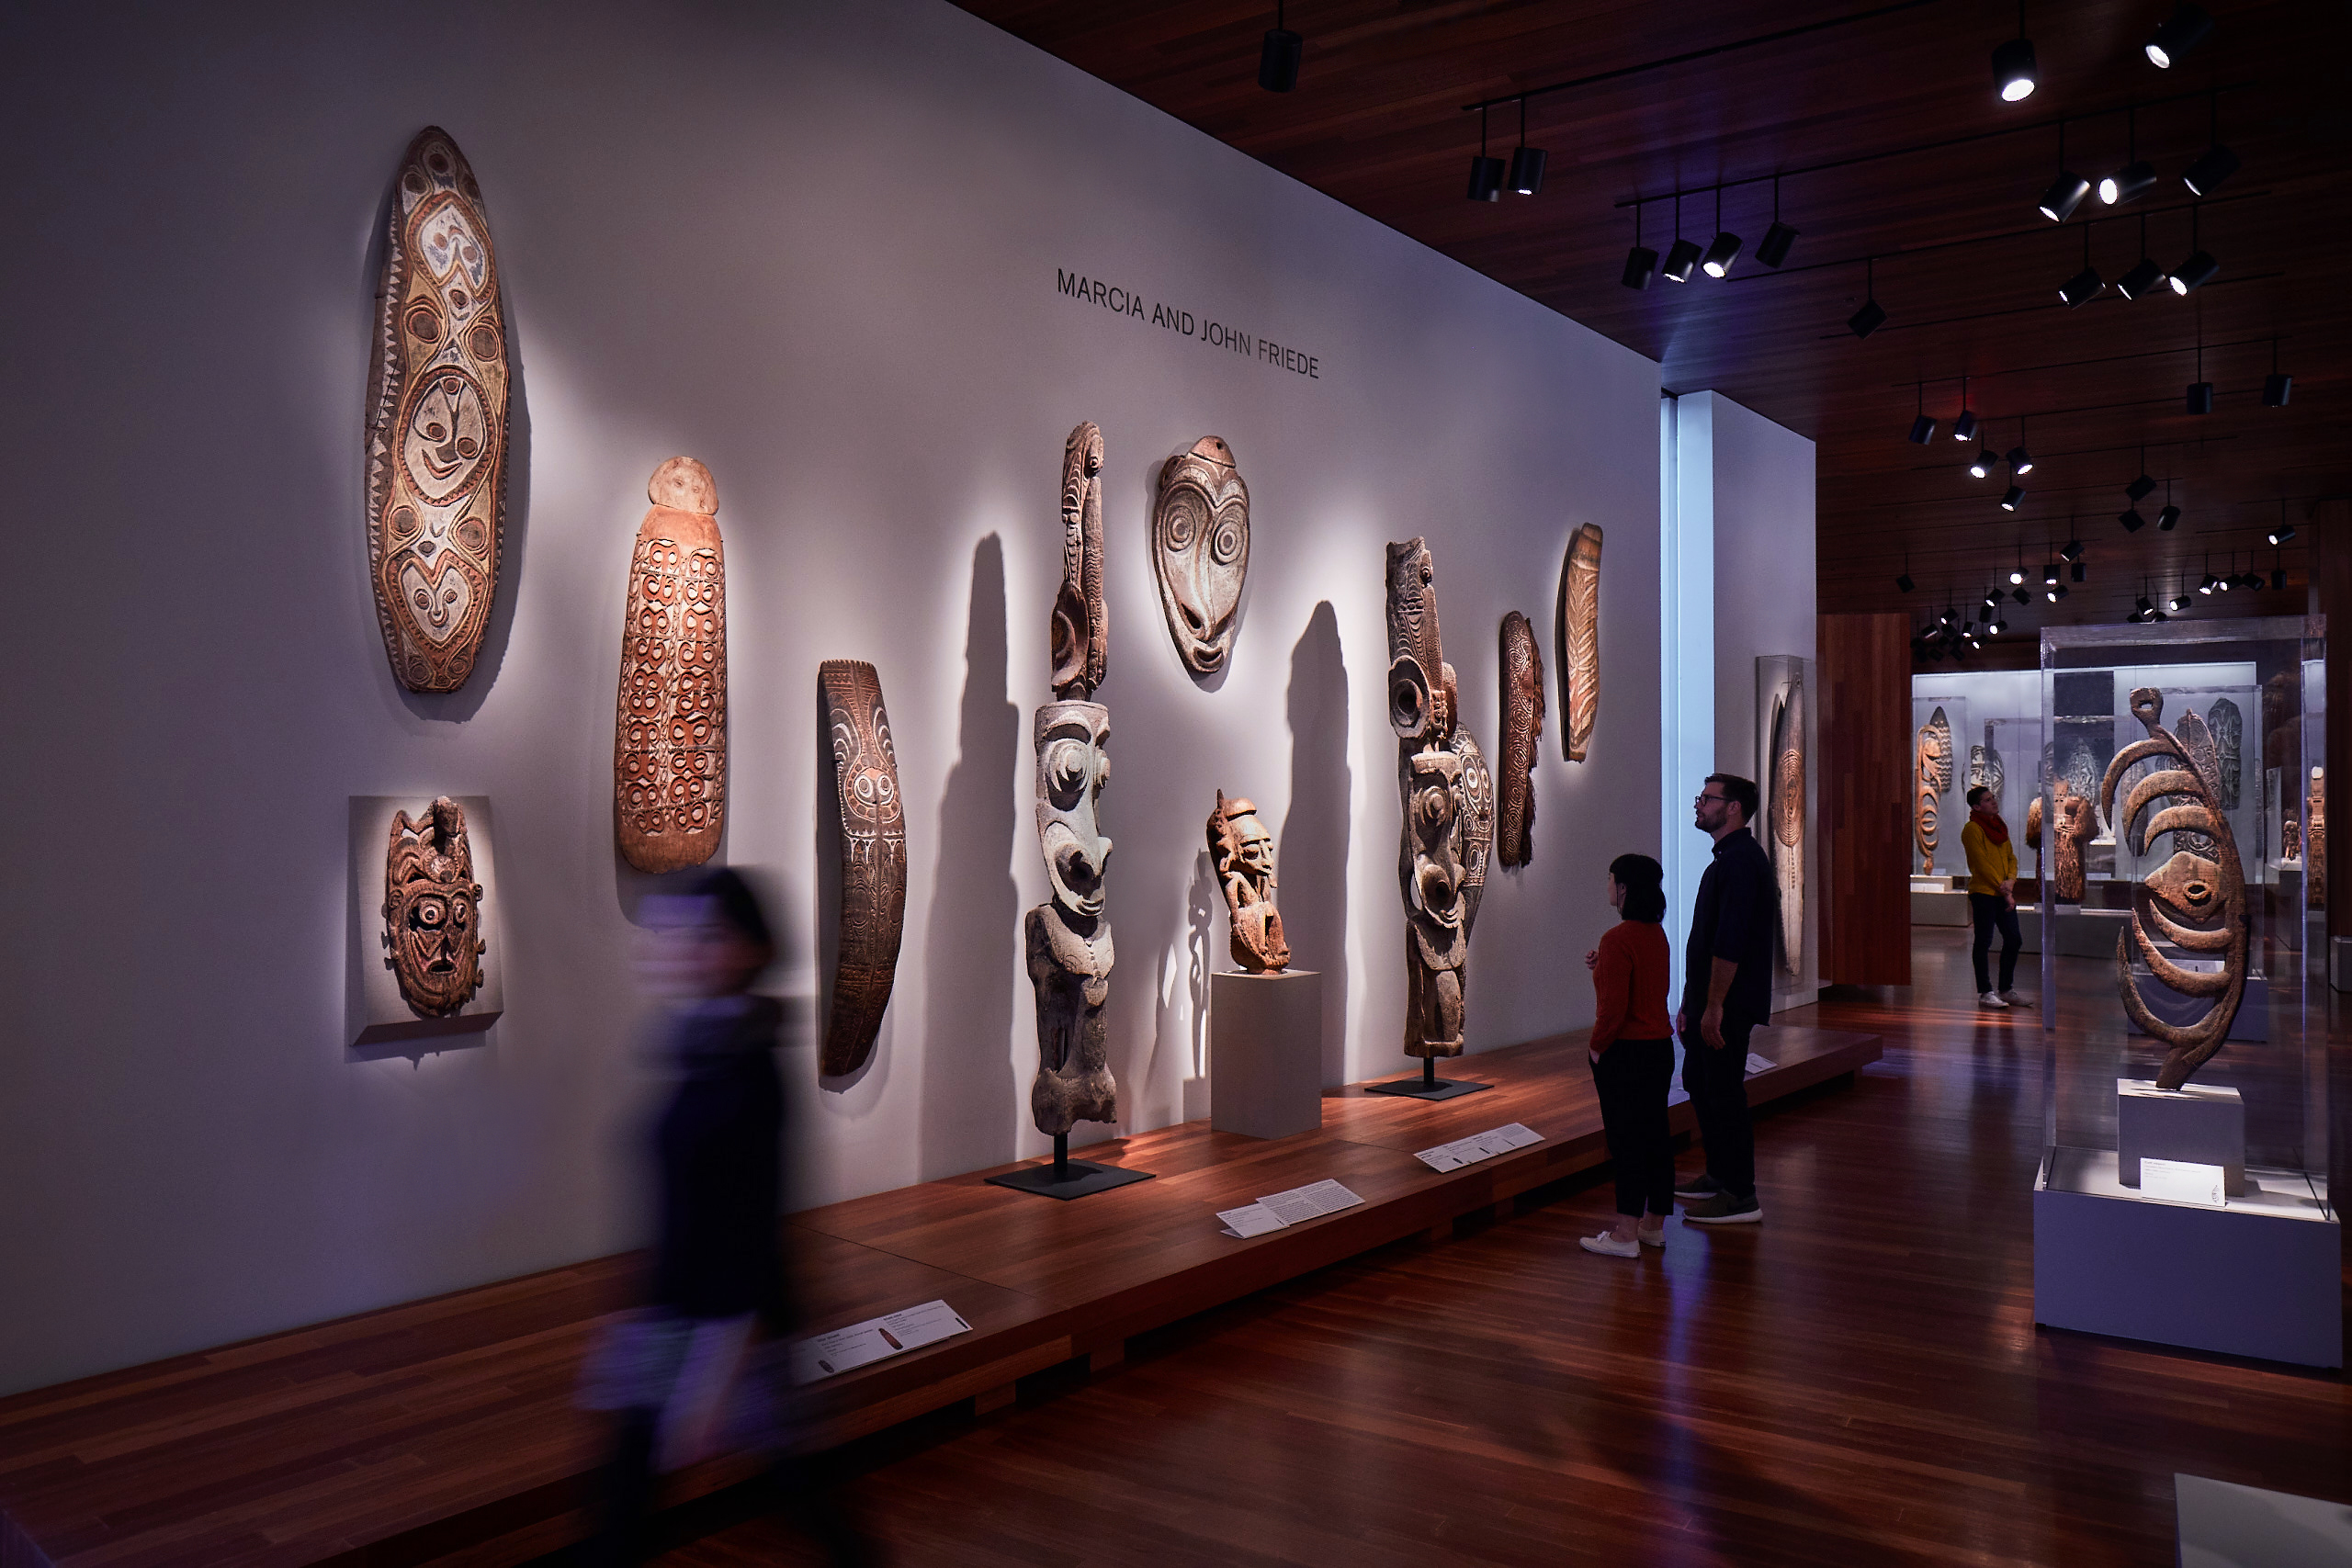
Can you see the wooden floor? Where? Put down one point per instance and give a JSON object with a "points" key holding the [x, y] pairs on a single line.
{"points": [[1859, 1380], [444, 1430]]}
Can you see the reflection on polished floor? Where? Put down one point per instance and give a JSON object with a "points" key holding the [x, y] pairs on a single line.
{"points": [[1857, 1380]]}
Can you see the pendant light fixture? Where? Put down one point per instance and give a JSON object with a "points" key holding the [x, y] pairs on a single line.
{"points": [[2179, 600], [2086, 284], [2138, 488], [2013, 69], [1981, 466], [2192, 273], [1278, 57], [2065, 192], [2137, 177], [1779, 237], [1724, 247], [1486, 172], [2017, 575], [1641, 262], [1871, 316], [2279, 568], [1923, 428], [1903, 584], [2286, 530], [1964, 427], [2178, 34], [2144, 274], [1527, 162], [2276, 387], [2215, 163], [2170, 516], [2020, 460], [2206, 583], [2198, 399], [2132, 520], [1685, 254], [2012, 498]]}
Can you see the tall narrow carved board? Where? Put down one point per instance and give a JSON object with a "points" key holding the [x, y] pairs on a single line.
{"points": [[437, 421], [1576, 636], [874, 860], [1785, 819], [1521, 725], [670, 720]]}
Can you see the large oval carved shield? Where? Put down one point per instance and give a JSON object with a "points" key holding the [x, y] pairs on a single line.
{"points": [[874, 860], [437, 421], [669, 724]]}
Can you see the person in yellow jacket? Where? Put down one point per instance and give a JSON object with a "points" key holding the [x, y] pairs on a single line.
{"points": [[1993, 898]]}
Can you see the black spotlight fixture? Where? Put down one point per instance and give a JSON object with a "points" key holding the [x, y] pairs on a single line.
{"points": [[2065, 192], [2208, 583], [2276, 387], [1903, 584], [2017, 573], [1278, 57], [1641, 262], [1685, 254], [2143, 604], [2285, 530], [1923, 427], [2080, 571], [2178, 34], [1724, 247], [2086, 284], [1526, 175], [2200, 396], [2048, 572], [1486, 174], [2132, 520], [1779, 237], [2192, 273], [2170, 516], [2215, 163], [2138, 488], [2073, 550], [1964, 427], [2144, 274], [2179, 602], [2022, 596], [1981, 466], [2013, 70], [1871, 316], [1992, 599], [2054, 592], [2020, 460], [2137, 177], [2013, 499], [2279, 568]]}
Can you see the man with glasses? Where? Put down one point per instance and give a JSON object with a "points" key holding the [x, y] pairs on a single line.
{"points": [[1726, 992]]}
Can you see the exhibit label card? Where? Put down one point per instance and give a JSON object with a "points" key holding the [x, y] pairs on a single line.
{"points": [[1479, 1145], [2182, 1182], [1757, 1063], [1280, 1211], [1250, 1219], [876, 1339]]}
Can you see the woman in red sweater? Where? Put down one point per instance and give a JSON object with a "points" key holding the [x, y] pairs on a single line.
{"points": [[1633, 1055]]}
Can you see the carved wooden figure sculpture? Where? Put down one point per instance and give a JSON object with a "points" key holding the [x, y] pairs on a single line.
{"points": [[1984, 765], [1242, 853], [1082, 629], [1786, 816], [2315, 842], [1576, 638], [2189, 902], [2033, 833], [874, 860], [437, 421], [669, 724], [1933, 774], [2227, 726], [2290, 838], [1200, 550], [432, 909], [1069, 938], [2074, 827], [1448, 797], [1523, 726]]}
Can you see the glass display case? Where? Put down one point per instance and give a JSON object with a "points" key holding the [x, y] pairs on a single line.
{"points": [[2182, 1195]]}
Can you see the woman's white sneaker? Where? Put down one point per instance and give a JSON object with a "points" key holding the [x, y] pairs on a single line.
{"points": [[1610, 1245], [1991, 1000]]}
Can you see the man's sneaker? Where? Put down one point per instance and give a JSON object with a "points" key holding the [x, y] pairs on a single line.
{"points": [[2016, 998], [1723, 1208], [1653, 1235], [1699, 1186], [1991, 1000], [1610, 1245]]}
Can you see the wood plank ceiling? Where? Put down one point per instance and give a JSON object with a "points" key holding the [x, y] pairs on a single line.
{"points": [[1927, 170]]}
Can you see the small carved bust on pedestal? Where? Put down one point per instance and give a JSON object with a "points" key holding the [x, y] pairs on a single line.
{"points": [[1243, 853]]}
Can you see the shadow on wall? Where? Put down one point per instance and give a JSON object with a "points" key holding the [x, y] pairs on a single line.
{"points": [[1181, 1023], [968, 946], [1313, 863]]}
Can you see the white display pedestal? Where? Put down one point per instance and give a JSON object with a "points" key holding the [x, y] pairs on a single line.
{"points": [[1266, 1052], [2198, 1123]]}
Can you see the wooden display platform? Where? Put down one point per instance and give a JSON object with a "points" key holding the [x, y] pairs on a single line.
{"points": [[443, 1430]]}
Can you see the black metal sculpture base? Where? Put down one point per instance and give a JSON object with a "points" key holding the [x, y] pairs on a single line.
{"points": [[1429, 1085], [1068, 1178]]}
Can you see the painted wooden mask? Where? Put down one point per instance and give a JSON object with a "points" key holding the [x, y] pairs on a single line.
{"points": [[432, 909], [1200, 549]]}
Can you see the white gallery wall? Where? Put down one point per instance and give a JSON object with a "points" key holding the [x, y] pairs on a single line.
{"points": [[817, 247]]}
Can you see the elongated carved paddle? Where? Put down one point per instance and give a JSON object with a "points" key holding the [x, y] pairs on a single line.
{"points": [[1933, 773], [1786, 814], [1575, 637], [2189, 901], [437, 421], [670, 723], [874, 860], [1523, 728]]}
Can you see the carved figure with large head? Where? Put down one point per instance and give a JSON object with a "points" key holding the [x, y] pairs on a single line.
{"points": [[1243, 853], [1420, 682], [1200, 550], [1073, 765], [432, 909]]}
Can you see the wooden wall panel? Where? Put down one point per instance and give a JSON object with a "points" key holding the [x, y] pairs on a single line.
{"points": [[2331, 595], [1865, 681]]}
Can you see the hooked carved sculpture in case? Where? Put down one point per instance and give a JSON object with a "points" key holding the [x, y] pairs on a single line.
{"points": [[2192, 903], [1200, 550], [874, 860], [2074, 829], [669, 724], [1523, 728], [1448, 797], [1933, 773], [437, 421], [1576, 632], [432, 909], [1242, 853]]}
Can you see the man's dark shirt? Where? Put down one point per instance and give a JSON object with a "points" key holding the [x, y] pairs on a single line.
{"points": [[1737, 911]]}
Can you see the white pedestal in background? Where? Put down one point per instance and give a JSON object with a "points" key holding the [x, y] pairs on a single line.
{"points": [[1266, 1052]]}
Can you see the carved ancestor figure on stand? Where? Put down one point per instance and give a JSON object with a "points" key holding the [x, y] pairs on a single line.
{"points": [[1932, 771], [1576, 638], [1242, 853], [2227, 726], [1448, 799], [670, 729], [874, 860], [1523, 726], [2190, 902], [432, 909], [2074, 829], [2033, 833], [1200, 550], [437, 421], [2315, 842], [2291, 840]]}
